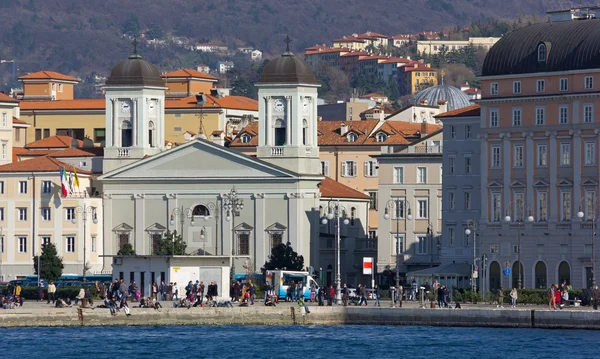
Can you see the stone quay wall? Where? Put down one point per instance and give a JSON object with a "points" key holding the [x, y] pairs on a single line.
{"points": [[292, 315]]}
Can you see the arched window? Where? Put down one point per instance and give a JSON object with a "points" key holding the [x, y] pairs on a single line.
{"points": [[381, 137], [352, 137], [541, 53], [495, 273], [201, 211], [517, 270], [126, 134], [540, 275], [304, 132], [245, 138], [564, 273], [151, 132], [279, 132]]}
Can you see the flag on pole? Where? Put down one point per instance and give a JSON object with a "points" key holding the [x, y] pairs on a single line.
{"points": [[63, 183], [71, 190], [76, 181]]}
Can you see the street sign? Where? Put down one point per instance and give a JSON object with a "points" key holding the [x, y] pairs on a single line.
{"points": [[506, 271], [475, 274], [367, 265]]}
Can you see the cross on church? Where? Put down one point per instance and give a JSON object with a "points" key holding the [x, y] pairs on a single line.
{"points": [[287, 43], [135, 43]]}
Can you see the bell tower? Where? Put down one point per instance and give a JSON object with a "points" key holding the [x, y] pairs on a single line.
{"points": [[135, 97], [287, 111]]}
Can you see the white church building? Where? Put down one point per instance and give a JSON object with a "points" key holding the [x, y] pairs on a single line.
{"points": [[225, 203]]}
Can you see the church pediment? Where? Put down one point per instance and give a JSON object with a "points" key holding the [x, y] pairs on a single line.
{"points": [[156, 227], [243, 227], [276, 227], [495, 184], [123, 227], [517, 184], [590, 182], [198, 160], [565, 183], [541, 183]]}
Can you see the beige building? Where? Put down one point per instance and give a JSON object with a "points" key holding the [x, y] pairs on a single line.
{"points": [[9, 112], [410, 193], [433, 47]]}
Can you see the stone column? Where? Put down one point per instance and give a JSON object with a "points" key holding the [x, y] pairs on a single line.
{"points": [[268, 135], [111, 131], [575, 151], [506, 173], [484, 177], [262, 249], [139, 244], [530, 165], [288, 121], [134, 122], [553, 198], [109, 236]]}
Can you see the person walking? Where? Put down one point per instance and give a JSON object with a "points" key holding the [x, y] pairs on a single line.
{"points": [[413, 290], [345, 295], [551, 298], [154, 291], [557, 297], [51, 292], [330, 296], [40, 292], [377, 294], [252, 291], [399, 291], [595, 297], [500, 298], [362, 294], [440, 296], [513, 297]]}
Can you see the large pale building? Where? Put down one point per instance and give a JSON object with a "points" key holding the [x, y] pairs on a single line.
{"points": [[539, 155], [433, 47]]}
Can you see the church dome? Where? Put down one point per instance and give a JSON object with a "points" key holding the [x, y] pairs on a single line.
{"points": [[455, 97], [135, 71], [288, 69]]}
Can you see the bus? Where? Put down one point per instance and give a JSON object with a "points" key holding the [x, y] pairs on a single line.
{"points": [[280, 281]]}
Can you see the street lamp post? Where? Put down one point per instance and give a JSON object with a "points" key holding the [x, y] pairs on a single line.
{"points": [[580, 214], [84, 211], [519, 219], [472, 228], [394, 205], [334, 210], [233, 205], [182, 213]]}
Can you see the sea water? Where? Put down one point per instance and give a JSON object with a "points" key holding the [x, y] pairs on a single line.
{"points": [[297, 342]]}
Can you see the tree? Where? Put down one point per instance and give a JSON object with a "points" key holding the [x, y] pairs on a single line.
{"points": [[126, 250], [132, 26], [50, 262], [283, 256], [155, 31], [170, 244]]}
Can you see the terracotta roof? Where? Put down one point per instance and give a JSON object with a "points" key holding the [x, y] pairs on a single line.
{"points": [[371, 34], [18, 151], [472, 90], [53, 142], [372, 110], [396, 60], [72, 152], [420, 68], [357, 53], [40, 164], [369, 95], [468, 111], [5, 98], [217, 133], [348, 39], [50, 75], [79, 104], [334, 189], [372, 57], [400, 133], [188, 73], [19, 122], [326, 51]]}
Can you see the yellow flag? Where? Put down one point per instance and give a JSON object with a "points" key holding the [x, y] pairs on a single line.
{"points": [[76, 181]]}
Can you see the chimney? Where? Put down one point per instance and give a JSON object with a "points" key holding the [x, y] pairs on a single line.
{"points": [[344, 129], [424, 129], [443, 106], [381, 114], [218, 138], [424, 101]]}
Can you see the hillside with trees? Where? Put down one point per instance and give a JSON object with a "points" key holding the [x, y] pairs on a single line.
{"points": [[84, 37]]}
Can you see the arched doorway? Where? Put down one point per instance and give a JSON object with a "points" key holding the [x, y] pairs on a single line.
{"points": [[329, 277], [541, 281], [564, 273], [494, 276], [516, 270]]}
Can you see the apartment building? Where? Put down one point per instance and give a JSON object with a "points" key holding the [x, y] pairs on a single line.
{"points": [[433, 47]]}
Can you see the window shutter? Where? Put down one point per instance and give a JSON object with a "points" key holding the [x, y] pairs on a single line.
{"points": [[375, 168], [344, 169], [326, 168], [367, 174], [354, 167], [396, 175]]}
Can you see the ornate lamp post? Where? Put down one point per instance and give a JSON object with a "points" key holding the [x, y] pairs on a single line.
{"points": [[594, 206], [472, 228], [520, 220], [335, 210], [84, 211], [395, 204], [181, 213], [233, 205]]}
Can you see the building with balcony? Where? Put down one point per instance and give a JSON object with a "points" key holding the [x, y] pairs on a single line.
{"points": [[539, 155]]}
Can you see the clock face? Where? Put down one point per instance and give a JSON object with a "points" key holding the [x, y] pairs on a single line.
{"points": [[125, 107], [305, 105], [279, 105]]}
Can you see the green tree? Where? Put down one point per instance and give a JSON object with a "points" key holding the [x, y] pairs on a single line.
{"points": [[132, 26], [51, 264], [283, 256], [170, 244], [126, 250], [155, 31]]}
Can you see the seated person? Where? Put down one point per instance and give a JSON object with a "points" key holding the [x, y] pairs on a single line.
{"points": [[245, 299], [270, 302], [302, 303]]}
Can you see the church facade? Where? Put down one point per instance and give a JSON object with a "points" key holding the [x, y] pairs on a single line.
{"points": [[224, 203]]}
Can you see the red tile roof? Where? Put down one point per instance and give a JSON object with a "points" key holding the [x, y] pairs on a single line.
{"points": [[348, 39], [472, 90], [5, 98], [72, 152], [468, 111], [369, 95], [188, 73], [327, 51], [53, 142], [19, 122], [40, 164], [357, 53], [333, 189], [49, 75], [420, 68], [18, 151]]}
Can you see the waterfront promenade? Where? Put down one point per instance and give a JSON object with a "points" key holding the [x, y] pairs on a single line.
{"points": [[530, 316]]}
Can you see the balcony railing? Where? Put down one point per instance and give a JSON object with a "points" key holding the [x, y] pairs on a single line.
{"points": [[276, 151], [429, 149], [123, 152]]}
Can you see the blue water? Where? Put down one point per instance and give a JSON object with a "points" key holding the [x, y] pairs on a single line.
{"points": [[297, 342]]}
